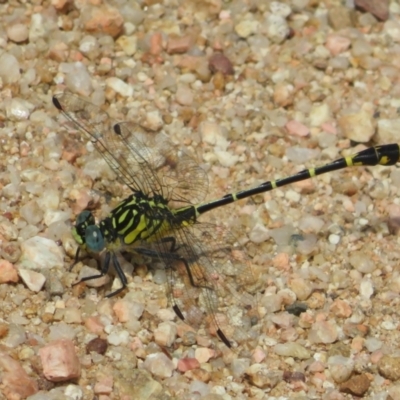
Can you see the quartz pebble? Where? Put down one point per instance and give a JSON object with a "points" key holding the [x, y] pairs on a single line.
{"points": [[340, 367], [165, 334], [8, 273], [59, 360], [159, 365], [292, 350], [34, 280], [40, 253], [17, 33], [357, 127], [323, 332]]}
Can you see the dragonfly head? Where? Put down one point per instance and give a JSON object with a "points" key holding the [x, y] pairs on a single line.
{"points": [[87, 234]]}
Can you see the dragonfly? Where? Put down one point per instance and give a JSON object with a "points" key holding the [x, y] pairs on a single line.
{"points": [[210, 279]]}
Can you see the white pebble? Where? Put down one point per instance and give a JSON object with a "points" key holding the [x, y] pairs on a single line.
{"points": [[358, 126], [277, 28], [334, 239], [362, 262], [281, 9], [246, 28], [165, 334], [373, 344], [320, 114], [120, 86], [40, 253], [17, 33], [295, 350], [159, 365], [259, 233], [388, 325], [33, 280], [366, 288], [388, 130], [128, 44], [9, 68], [117, 338], [184, 95], [340, 367], [87, 44], [77, 78], [37, 28]]}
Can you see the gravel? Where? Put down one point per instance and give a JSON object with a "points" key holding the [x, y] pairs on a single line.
{"points": [[256, 91]]}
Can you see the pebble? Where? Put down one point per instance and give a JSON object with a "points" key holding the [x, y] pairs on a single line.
{"points": [[77, 78], [294, 350], [119, 86], [165, 334], [281, 9], [103, 19], [380, 9], [358, 126], [128, 44], [357, 385], [59, 361], [37, 28], [127, 309], [218, 62], [246, 28], [341, 368], [341, 308], [260, 376], [340, 17], [8, 272], [17, 33], [337, 44], [362, 262], [388, 130], [277, 28], [33, 280], [203, 354], [159, 365], [97, 345], [392, 28], [296, 128], [323, 332], [9, 68], [366, 288], [301, 287], [178, 44], [187, 364], [184, 95], [40, 253], [16, 383]]}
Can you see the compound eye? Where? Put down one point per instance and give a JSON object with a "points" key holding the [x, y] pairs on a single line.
{"points": [[94, 239], [85, 218]]}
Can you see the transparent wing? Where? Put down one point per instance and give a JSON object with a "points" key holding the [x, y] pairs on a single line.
{"points": [[212, 283], [143, 160]]}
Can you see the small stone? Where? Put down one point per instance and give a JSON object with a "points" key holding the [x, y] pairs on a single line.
{"points": [[362, 262], [33, 280], [357, 385], [8, 273], [103, 19], [59, 360], [220, 63], [40, 253], [380, 9], [277, 28], [77, 78], [184, 95], [159, 365], [340, 368], [295, 350], [119, 86], [128, 44], [337, 44], [340, 17], [17, 33], [118, 338], [392, 29], [104, 385], [128, 310], [9, 68], [323, 332], [301, 287], [187, 364], [37, 28], [154, 121], [97, 345], [357, 127], [165, 334], [341, 308], [262, 377], [366, 288], [279, 8], [178, 44], [246, 28], [203, 354], [16, 383], [388, 129], [296, 128], [283, 94]]}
